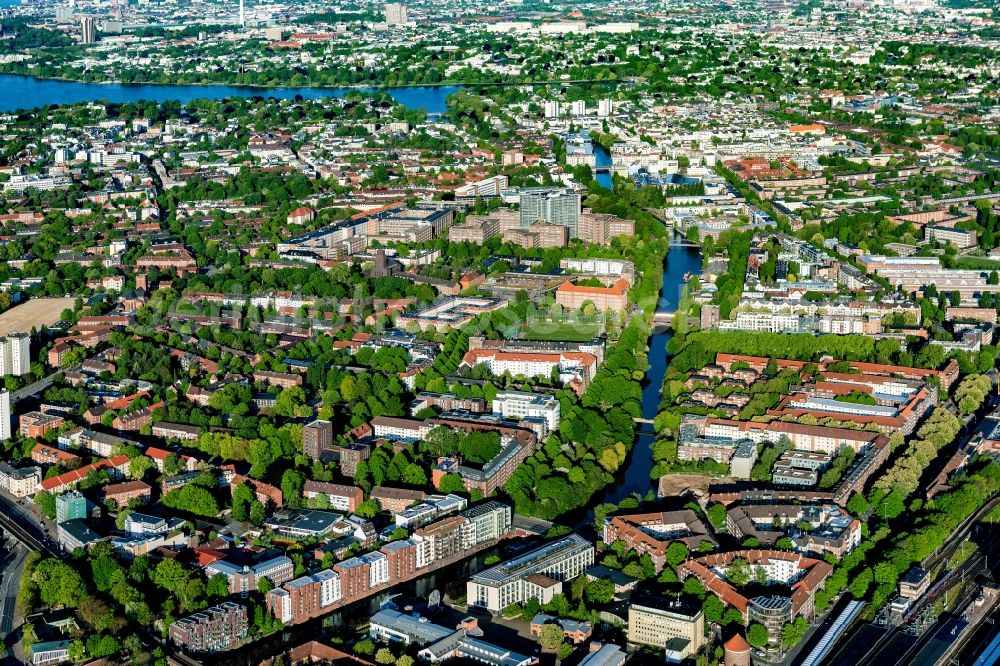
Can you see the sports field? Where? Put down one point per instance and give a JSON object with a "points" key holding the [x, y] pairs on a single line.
{"points": [[38, 312]]}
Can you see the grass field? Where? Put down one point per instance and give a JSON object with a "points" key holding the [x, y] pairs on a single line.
{"points": [[977, 264], [572, 331], [37, 313]]}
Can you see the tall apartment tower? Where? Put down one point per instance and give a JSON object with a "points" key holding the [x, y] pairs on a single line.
{"points": [[555, 206], [243, 16], [4, 416], [395, 13], [88, 30], [15, 354], [316, 438]]}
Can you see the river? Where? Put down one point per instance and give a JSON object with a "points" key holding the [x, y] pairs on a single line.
{"points": [[635, 475], [24, 92], [678, 262]]}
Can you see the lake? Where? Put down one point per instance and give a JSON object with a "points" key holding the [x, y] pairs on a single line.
{"points": [[26, 92]]}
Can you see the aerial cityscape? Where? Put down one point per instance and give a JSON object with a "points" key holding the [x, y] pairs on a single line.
{"points": [[528, 333]]}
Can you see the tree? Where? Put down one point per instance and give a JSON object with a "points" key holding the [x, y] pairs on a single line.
{"points": [[857, 505], [694, 587], [717, 516], [47, 503], [139, 465], [757, 635], [451, 483], [551, 636], [599, 591], [860, 583], [677, 553], [171, 576], [217, 586], [291, 487], [58, 583], [384, 656], [367, 509], [713, 608]]}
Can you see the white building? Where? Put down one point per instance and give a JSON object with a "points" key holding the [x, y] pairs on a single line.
{"points": [[15, 354], [536, 574], [378, 568], [553, 109], [578, 108], [4, 416], [329, 587], [395, 13], [523, 404], [19, 482], [605, 108]]}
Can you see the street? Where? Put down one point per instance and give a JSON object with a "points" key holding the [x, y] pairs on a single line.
{"points": [[12, 563], [34, 388]]}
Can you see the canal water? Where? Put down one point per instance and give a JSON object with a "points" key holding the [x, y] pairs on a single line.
{"points": [[634, 477], [26, 92]]}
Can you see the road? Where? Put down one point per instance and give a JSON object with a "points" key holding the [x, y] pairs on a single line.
{"points": [[13, 567], [35, 388], [26, 527]]}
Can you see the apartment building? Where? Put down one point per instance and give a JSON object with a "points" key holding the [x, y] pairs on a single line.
{"points": [[395, 500], [15, 354], [5, 416], [245, 578], [554, 206], [572, 367], [652, 533], [341, 497], [317, 437], [400, 429], [36, 424], [358, 577], [538, 573], [19, 482], [212, 630]]}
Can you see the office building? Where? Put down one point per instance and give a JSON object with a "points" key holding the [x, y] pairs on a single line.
{"points": [[554, 206], [88, 30], [659, 622], [523, 404], [395, 13], [536, 574], [211, 630], [603, 299], [15, 354], [395, 627]]}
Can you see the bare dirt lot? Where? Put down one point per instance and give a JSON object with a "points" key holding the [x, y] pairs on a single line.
{"points": [[676, 485], [37, 312]]}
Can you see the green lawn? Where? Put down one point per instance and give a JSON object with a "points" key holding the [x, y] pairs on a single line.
{"points": [[571, 331]]}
